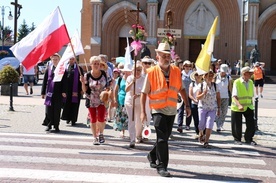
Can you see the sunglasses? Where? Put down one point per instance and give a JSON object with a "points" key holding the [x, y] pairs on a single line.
{"points": [[147, 63]]}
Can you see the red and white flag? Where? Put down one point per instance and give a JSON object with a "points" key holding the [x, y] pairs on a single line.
{"points": [[47, 39], [68, 53]]}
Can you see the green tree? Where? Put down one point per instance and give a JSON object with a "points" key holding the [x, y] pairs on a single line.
{"points": [[32, 27], [23, 30], [7, 33]]}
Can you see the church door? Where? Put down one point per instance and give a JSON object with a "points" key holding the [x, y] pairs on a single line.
{"points": [[273, 57], [195, 48]]}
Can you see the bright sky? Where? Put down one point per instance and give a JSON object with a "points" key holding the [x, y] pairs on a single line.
{"points": [[37, 10]]}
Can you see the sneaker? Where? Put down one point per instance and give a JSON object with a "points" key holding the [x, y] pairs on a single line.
{"points": [[261, 95], [48, 128], [163, 172], [222, 129], [179, 129], [101, 138], [218, 129], [96, 141], [132, 144], [238, 142], [253, 143], [31, 91], [138, 140], [187, 128]]}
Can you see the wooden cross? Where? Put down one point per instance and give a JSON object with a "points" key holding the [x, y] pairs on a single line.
{"points": [[135, 57]]}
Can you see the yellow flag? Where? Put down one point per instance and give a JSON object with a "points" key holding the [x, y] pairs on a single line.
{"points": [[203, 60]]}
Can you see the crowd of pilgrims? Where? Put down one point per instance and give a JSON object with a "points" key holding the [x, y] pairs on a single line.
{"points": [[112, 93]]}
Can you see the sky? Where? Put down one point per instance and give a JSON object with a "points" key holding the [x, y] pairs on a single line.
{"points": [[35, 11]]}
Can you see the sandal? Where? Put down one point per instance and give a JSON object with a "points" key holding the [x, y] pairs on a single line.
{"points": [[201, 139], [206, 145]]}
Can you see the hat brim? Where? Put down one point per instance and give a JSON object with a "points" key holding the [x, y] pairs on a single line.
{"points": [[192, 75], [163, 51]]}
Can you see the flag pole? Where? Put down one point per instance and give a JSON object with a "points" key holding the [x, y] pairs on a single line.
{"points": [[86, 65], [70, 42]]}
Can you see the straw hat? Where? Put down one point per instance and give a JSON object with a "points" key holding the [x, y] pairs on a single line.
{"points": [[192, 75], [147, 59], [104, 64], [164, 48], [246, 69]]}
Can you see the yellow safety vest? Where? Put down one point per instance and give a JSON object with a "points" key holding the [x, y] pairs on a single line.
{"points": [[244, 95], [161, 95]]}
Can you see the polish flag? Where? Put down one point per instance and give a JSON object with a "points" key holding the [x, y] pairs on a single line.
{"points": [[47, 39], [74, 48]]}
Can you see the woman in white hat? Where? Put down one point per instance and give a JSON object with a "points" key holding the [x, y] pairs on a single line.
{"points": [[196, 81], [208, 97], [135, 126], [185, 74]]}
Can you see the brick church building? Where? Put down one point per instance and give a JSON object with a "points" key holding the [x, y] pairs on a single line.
{"points": [[105, 24]]}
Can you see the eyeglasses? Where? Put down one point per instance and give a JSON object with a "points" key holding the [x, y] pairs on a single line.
{"points": [[147, 63], [139, 70], [187, 66], [95, 64]]}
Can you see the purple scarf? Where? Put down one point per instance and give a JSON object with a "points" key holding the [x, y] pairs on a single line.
{"points": [[75, 96], [50, 87]]}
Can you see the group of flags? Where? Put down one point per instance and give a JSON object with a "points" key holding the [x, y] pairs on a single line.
{"points": [[51, 35]]}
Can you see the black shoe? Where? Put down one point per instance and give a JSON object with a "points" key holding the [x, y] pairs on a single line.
{"points": [[163, 173], [48, 128], [73, 123], [67, 122], [57, 129], [152, 163], [31, 91], [238, 142], [253, 143]]}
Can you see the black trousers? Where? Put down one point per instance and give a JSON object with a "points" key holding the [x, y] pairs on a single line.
{"points": [[163, 125], [194, 111], [236, 124]]}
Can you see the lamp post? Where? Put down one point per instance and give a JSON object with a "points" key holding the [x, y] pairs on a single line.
{"points": [[9, 17]]}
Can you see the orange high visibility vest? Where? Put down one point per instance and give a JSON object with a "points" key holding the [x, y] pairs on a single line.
{"points": [[258, 73], [161, 95]]}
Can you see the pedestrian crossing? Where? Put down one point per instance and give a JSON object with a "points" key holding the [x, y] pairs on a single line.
{"points": [[57, 157]]}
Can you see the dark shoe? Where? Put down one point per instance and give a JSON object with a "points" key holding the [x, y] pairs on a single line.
{"points": [[132, 145], [179, 129], [163, 173], [73, 123], [206, 145], [48, 128], [101, 138], [31, 91], [253, 143], [238, 142], [44, 123], [67, 122], [57, 129], [152, 163]]}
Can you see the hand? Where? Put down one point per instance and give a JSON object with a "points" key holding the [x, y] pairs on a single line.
{"points": [[218, 111], [136, 96], [81, 79], [240, 107], [63, 95], [188, 111], [143, 117]]}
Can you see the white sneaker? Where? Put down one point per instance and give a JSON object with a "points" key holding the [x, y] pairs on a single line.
{"points": [[96, 141]]}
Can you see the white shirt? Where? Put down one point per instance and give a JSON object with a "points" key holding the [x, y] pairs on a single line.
{"points": [[223, 83], [138, 87]]}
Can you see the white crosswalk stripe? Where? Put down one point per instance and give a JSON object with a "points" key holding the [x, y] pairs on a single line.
{"points": [[50, 157]]}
